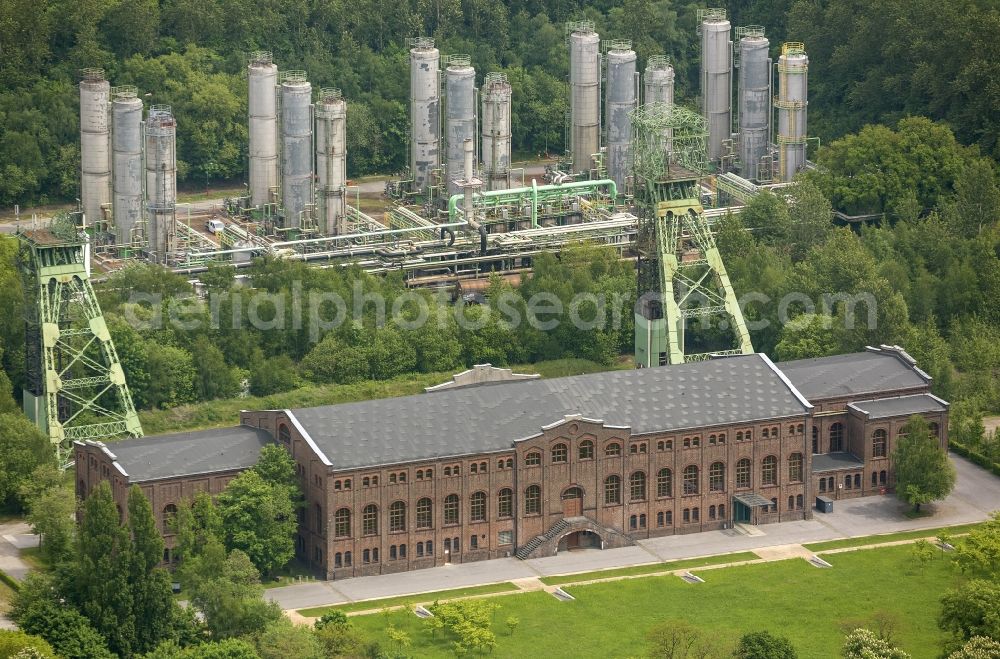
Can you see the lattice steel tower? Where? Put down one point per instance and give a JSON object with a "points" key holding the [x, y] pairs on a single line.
{"points": [[682, 277], [75, 385]]}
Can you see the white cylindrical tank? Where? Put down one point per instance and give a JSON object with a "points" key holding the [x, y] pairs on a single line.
{"points": [[331, 160], [793, 72], [495, 153], [716, 79], [126, 149], [460, 115], [95, 144], [584, 95], [621, 101], [658, 81], [296, 147], [161, 182], [425, 113], [262, 85], [754, 99]]}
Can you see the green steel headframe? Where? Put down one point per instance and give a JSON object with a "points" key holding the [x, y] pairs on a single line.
{"points": [[688, 281], [75, 386]]}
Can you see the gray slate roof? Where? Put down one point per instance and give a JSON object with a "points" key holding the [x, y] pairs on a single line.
{"points": [[455, 422], [900, 406], [834, 461], [851, 374], [189, 453]]}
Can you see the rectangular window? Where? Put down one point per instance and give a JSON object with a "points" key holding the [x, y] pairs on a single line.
{"points": [[505, 538], [473, 542]]}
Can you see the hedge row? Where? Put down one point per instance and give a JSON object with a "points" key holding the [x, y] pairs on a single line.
{"points": [[975, 456]]}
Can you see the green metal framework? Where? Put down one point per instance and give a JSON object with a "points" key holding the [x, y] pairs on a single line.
{"points": [[682, 278], [75, 386]]}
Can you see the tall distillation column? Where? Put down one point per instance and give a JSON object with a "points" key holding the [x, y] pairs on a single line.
{"points": [[621, 100], [331, 161], [126, 148], [425, 113], [262, 77], [460, 116], [793, 72], [495, 152], [754, 98], [161, 182], [658, 81], [296, 147], [584, 95], [716, 79], [95, 144]]}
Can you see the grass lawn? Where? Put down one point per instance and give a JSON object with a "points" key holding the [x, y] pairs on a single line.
{"points": [[650, 568], [889, 537], [807, 604], [226, 412], [405, 600]]}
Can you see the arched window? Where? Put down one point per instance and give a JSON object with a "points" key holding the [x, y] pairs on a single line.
{"points": [[774, 504], [722, 511], [342, 523], [559, 453], [505, 503], [765, 433], [420, 549], [659, 518], [369, 520], [613, 449], [533, 500], [665, 483], [366, 556], [642, 521], [392, 478], [798, 501], [815, 433], [791, 502], [880, 440], [739, 436], [795, 467], [743, 473], [533, 459], [829, 483], [425, 516], [822, 485], [347, 483], [284, 434], [348, 559], [319, 520], [429, 474], [169, 514], [857, 481], [586, 450], [500, 463], [451, 509], [397, 516], [717, 477], [477, 507], [420, 474], [791, 429], [637, 486], [483, 468], [392, 553], [338, 560], [659, 445], [366, 482], [612, 490], [769, 471], [711, 512], [874, 479], [691, 479], [774, 432], [474, 468], [633, 522], [935, 429], [694, 514], [847, 482], [447, 471], [722, 438], [510, 463], [882, 479], [836, 437]]}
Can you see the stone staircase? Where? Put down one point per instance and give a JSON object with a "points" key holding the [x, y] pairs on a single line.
{"points": [[547, 543]]}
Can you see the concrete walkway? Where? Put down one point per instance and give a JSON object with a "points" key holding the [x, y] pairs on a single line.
{"points": [[976, 494], [14, 536]]}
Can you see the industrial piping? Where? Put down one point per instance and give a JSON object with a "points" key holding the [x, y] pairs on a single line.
{"points": [[535, 192]]}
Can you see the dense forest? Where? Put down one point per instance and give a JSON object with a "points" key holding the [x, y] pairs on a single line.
{"points": [[870, 63]]}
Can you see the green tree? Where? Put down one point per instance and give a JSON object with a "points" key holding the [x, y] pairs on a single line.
{"points": [[258, 519], [51, 510], [173, 376], [39, 609], [764, 645], [978, 647], [17, 644], [335, 360], [229, 595], [337, 635], [152, 600], [864, 644], [282, 639], [979, 551], [230, 648], [808, 335], [22, 449], [675, 639], [273, 375], [767, 217], [215, 378], [972, 609], [923, 471]]}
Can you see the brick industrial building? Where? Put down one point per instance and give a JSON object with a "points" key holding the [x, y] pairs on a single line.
{"points": [[530, 467]]}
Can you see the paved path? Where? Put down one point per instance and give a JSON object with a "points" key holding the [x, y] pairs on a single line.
{"points": [[14, 536], [976, 494]]}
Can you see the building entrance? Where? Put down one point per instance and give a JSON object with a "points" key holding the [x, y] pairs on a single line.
{"points": [[580, 540], [572, 501]]}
